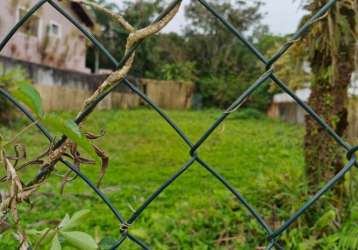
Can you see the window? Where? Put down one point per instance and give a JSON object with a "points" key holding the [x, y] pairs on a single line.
{"points": [[32, 26], [54, 30]]}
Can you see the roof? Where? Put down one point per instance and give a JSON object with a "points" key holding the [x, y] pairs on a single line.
{"points": [[305, 93], [82, 14]]}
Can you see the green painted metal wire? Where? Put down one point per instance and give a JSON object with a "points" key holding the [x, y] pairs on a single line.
{"points": [[193, 147]]}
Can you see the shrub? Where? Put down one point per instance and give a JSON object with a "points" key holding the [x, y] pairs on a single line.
{"points": [[223, 91], [179, 71], [9, 79], [249, 113]]}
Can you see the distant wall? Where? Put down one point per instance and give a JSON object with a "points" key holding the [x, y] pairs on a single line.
{"points": [[287, 111], [63, 90], [74, 87], [292, 112], [169, 94]]}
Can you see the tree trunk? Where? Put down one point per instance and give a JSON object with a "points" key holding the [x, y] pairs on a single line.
{"points": [[329, 98]]}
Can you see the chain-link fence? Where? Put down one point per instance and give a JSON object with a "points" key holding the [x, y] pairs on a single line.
{"points": [[125, 224]]}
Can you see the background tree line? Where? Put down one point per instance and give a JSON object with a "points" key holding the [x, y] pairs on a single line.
{"points": [[204, 52]]}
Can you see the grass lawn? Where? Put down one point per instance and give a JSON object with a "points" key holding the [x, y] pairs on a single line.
{"points": [[196, 211]]}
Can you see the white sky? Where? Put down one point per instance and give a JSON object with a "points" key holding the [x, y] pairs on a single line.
{"points": [[282, 16]]}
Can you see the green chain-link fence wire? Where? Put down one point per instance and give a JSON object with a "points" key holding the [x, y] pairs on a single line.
{"points": [[272, 234]]}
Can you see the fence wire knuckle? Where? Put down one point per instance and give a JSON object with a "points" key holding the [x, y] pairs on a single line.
{"points": [[193, 147]]}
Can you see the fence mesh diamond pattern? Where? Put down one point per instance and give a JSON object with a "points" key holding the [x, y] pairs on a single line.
{"points": [[193, 147]]}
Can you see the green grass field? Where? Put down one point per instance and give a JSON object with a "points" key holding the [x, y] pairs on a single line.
{"points": [[262, 158]]}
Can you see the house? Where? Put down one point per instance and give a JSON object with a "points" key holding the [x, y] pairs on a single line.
{"points": [[47, 38], [285, 108]]}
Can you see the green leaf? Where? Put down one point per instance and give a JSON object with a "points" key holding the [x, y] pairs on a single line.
{"points": [[46, 235], [64, 221], [56, 245], [325, 220], [74, 127], [107, 242], [27, 94], [70, 129], [80, 240], [75, 220], [35, 232]]}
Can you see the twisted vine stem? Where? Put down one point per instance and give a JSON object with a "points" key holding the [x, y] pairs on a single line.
{"points": [[134, 37]]}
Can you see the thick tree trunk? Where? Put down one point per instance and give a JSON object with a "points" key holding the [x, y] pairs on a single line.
{"points": [[329, 98], [323, 156]]}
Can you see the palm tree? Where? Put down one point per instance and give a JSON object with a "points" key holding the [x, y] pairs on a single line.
{"points": [[331, 45]]}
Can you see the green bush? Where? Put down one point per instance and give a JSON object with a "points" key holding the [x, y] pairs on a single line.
{"points": [[223, 91], [249, 113], [9, 79], [179, 71]]}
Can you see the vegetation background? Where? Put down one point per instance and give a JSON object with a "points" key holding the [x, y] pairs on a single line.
{"points": [[263, 158]]}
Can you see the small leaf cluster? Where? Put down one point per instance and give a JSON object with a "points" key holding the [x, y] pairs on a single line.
{"points": [[64, 235], [28, 95]]}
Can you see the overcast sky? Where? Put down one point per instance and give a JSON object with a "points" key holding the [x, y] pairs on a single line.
{"points": [[282, 16]]}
